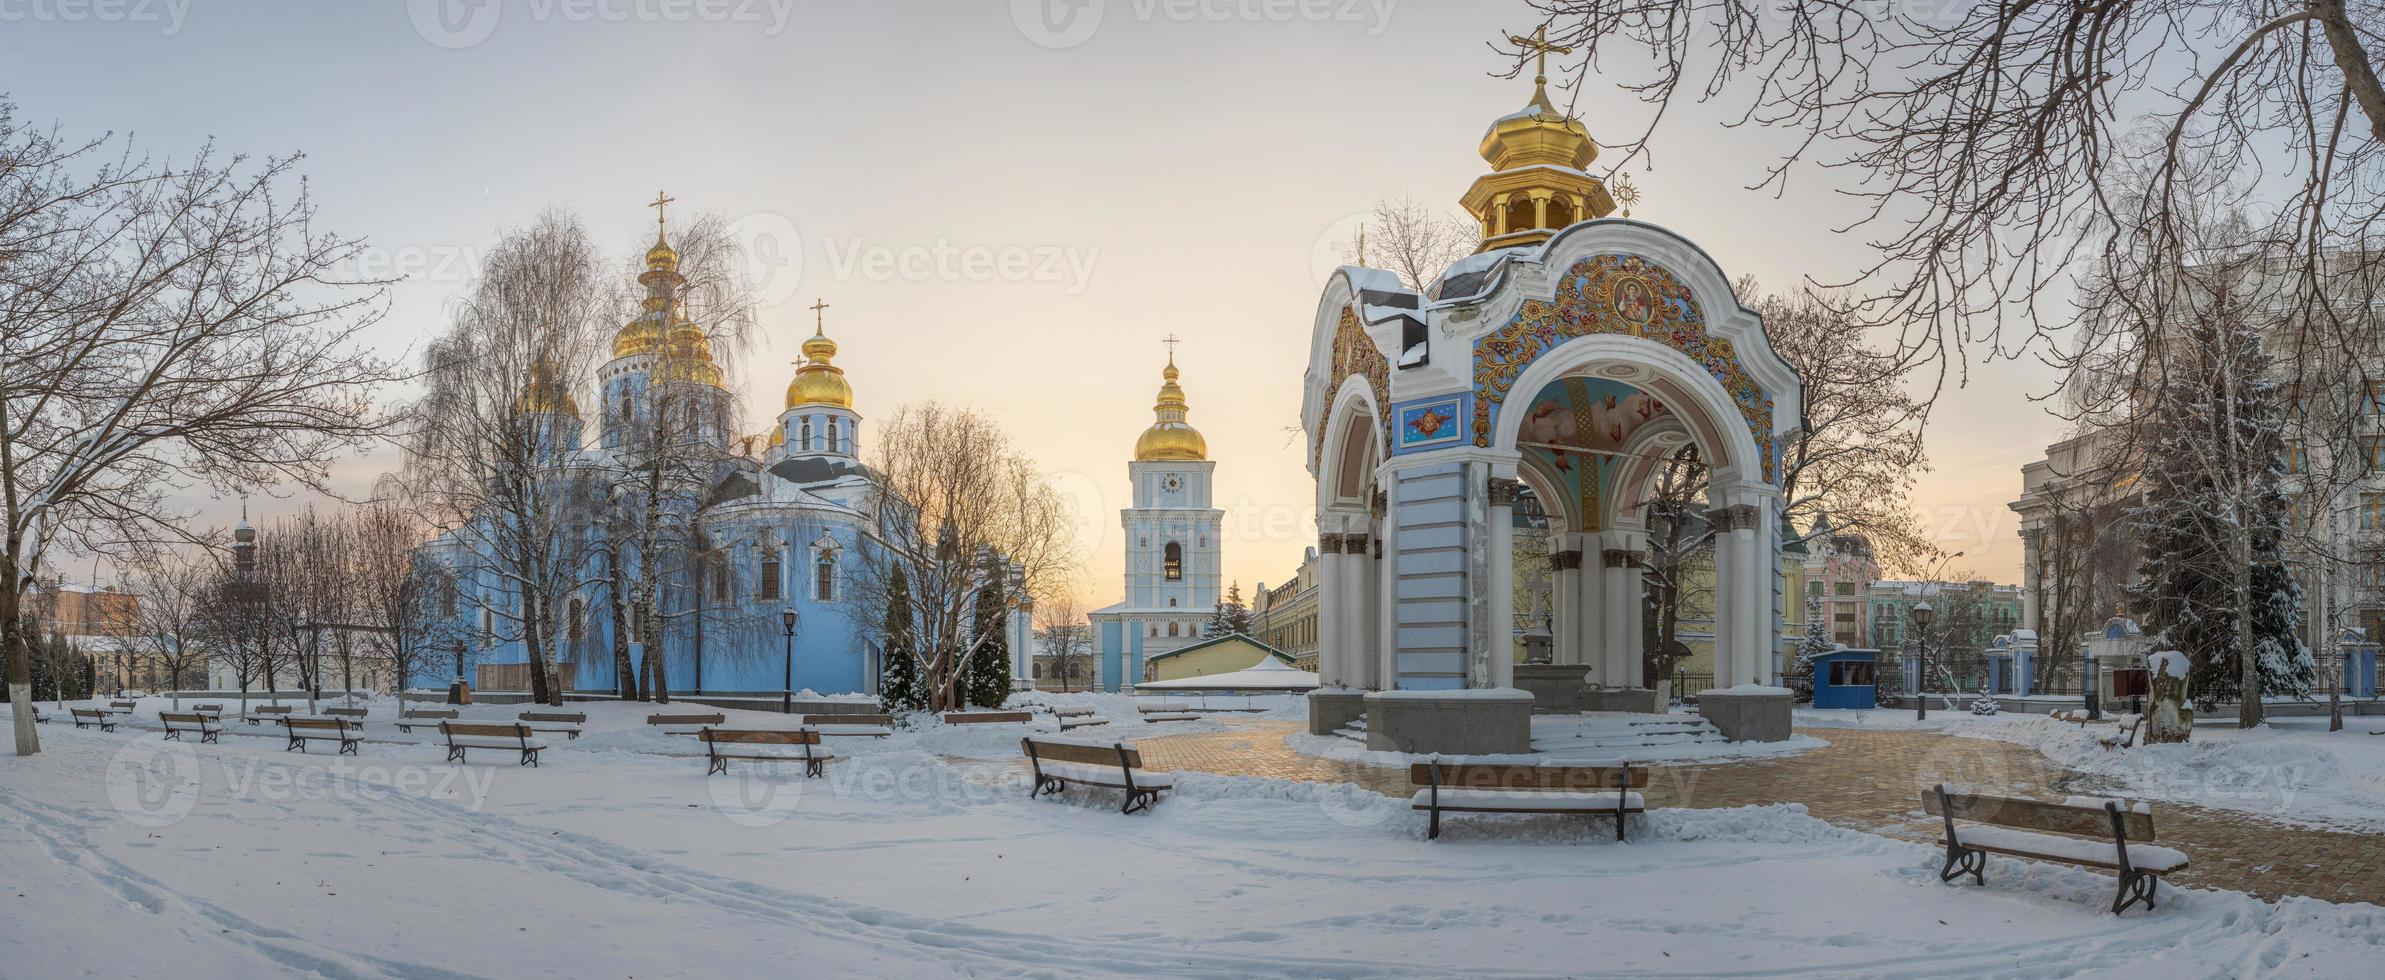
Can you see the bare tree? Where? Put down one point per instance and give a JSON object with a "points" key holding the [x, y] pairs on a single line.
{"points": [[170, 628], [488, 458], [1677, 574], [162, 326], [400, 591], [1065, 637], [950, 502], [1411, 240]]}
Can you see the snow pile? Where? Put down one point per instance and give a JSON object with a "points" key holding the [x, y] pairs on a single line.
{"points": [[2168, 663], [2291, 769]]}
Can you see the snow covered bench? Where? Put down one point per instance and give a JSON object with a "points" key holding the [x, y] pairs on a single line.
{"points": [[265, 711], [87, 717], [2071, 833], [988, 717], [119, 707], [214, 712], [759, 746], [851, 726], [1058, 762], [1167, 711], [685, 724], [2126, 736], [409, 718], [567, 722], [352, 714], [303, 730], [177, 722], [1077, 718], [1590, 790], [463, 736]]}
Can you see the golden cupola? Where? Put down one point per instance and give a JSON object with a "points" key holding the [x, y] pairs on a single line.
{"points": [[1539, 158], [544, 393], [1170, 439], [650, 331], [819, 381], [687, 355]]}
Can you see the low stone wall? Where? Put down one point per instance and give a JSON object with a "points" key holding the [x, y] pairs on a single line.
{"points": [[1759, 715], [1555, 688], [1330, 709], [1494, 721], [1639, 699]]}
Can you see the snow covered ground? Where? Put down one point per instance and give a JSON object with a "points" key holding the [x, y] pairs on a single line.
{"points": [[1587, 737], [139, 858]]}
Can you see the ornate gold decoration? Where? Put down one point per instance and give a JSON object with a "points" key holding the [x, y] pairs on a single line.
{"points": [[1626, 193], [1537, 182], [1615, 294], [544, 393], [1354, 353], [1170, 438], [819, 381]]}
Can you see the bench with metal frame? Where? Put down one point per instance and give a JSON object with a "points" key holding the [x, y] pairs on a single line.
{"points": [[510, 736], [120, 707], [988, 717], [86, 717], [1109, 765], [2087, 836], [1586, 790], [355, 714], [1167, 711], [851, 726], [213, 711], [411, 717], [685, 724], [1077, 718], [177, 722], [814, 763], [304, 730], [264, 711], [568, 722]]}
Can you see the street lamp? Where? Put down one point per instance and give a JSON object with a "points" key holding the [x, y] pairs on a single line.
{"points": [[1922, 614], [786, 705]]}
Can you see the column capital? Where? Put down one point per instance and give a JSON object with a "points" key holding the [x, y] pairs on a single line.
{"points": [[1736, 517], [1329, 544], [1565, 561], [1620, 557], [1504, 491]]}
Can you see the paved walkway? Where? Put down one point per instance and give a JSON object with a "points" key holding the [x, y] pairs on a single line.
{"points": [[1872, 780]]}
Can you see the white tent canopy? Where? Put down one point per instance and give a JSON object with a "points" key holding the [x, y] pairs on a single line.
{"points": [[1269, 674]]}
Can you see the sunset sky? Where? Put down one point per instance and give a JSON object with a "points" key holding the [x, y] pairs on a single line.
{"points": [[1005, 207]]}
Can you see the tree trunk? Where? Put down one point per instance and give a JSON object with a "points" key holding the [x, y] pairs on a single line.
{"points": [[534, 643], [624, 673], [660, 666], [20, 661], [2248, 702]]}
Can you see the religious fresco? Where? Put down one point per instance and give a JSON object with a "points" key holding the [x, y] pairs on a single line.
{"points": [[1578, 426], [1615, 294], [1431, 424], [1354, 353]]}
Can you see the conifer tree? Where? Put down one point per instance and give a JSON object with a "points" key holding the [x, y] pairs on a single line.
{"points": [[987, 682], [899, 689], [1232, 615]]}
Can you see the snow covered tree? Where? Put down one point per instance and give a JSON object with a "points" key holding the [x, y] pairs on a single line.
{"points": [[988, 681], [1232, 615], [899, 688], [2213, 512], [1817, 639]]}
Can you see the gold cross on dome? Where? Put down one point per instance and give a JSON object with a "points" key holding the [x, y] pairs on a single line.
{"points": [[1171, 341], [661, 199], [819, 319], [1539, 44]]}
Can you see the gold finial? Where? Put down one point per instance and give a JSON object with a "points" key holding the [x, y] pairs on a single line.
{"points": [[1625, 192], [1362, 244], [819, 320], [1539, 45], [660, 200], [1171, 341]]}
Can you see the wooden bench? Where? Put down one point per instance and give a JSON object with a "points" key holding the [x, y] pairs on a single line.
{"points": [[177, 722], [264, 711], [1167, 711], [1590, 790], [511, 736], [354, 713], [2126, 736], [304, 730], [1110, 765], [805, 738], [685, 724], [2089, 836], [1077, 718], [409, 718], [214, 711], [567, 722], [851, 726], [87, 717], [120, 707], [988, 717]]}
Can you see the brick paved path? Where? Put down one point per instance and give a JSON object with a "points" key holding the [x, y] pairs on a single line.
{"points": [[1872, 780]]}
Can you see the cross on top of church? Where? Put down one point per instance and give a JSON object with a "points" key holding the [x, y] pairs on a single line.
{"points": [[1539, 45], [661, 199], [1171, 341], [819, 319]]}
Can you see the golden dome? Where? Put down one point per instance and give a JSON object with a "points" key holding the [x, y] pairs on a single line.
{"points": [[1538, 135], [819, 382], [1537, 184], [640, 336], [544, 393], [1169, 439], [662, 257], [778, 436], [688, 356]]}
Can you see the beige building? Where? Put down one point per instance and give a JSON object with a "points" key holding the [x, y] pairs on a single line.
{"points": [[1211, 657], [1285, 617]]}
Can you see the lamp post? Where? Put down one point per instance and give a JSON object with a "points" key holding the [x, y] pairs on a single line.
{"points": [[786, 704], [1922, 614]]}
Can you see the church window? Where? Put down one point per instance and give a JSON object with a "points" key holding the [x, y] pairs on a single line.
{"points": [[690, 415], [835, 442], [770, 571], [1171, 601], [718, 570], [447, 592], [1172, 565], [1171, 629], [824, 575], [805, 444], [488, 626], [571, 623]]}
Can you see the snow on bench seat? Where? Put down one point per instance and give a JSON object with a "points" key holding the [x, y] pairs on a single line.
{"points": [[1077, 772], [871, 731], [1527, 801], [496, 742], [2148, 858]]}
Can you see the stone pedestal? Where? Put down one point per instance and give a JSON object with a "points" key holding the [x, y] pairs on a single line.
{"points": [[1331, 708], [1748, 714], [1485, 721], [1635, 699], [1555, 688]]}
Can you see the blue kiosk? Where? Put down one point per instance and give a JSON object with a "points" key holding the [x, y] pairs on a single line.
{"points": [[2360, 663], [1847, 679]]}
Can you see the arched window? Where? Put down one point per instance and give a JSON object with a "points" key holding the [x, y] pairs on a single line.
{"points": [[1172, 565], [488, 626], [805, 444], [769, 587], [1171, 629], [824, 575], [835, 442], [690, 415], [1171, 601]]}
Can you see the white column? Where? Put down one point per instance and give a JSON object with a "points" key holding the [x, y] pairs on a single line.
{"points": [[1500, 634], [1564, 596], [1331, 595], [1387, 583], [1590, 614], [1620, 565], [2030, 565], [1365, 648], [1738, 593]]}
